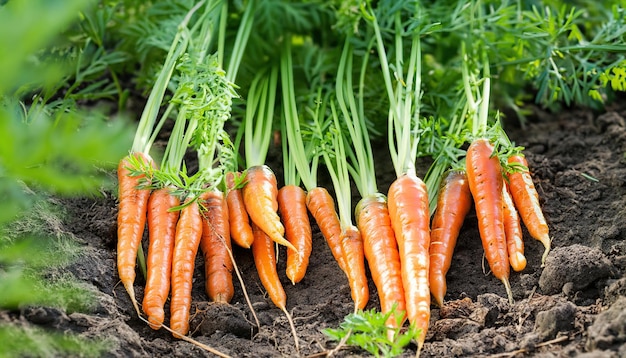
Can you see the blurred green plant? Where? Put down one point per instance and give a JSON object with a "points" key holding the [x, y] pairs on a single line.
{"points": [[51, 148]]}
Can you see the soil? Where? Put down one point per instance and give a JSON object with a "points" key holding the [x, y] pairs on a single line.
{"points": [[574, 306]]}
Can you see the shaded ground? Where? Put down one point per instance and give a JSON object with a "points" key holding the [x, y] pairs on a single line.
{"points": [[574, 306]]}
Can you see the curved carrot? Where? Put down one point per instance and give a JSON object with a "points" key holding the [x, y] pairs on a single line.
{"points": [[265, 261], [239, 222], [513, 230], [410, 220], [215, 245], [453, 204], [161, 230], [186, 242], [354, 255], [381, 252], [293, 212], [484, 175], [526, 201], [260, 197], [322, 206], [131, 220]]}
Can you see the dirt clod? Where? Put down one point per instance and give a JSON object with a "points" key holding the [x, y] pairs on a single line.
{"points": [[576, 266], [557, 319]]}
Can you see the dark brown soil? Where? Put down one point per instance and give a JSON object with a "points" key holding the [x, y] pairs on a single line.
{"points": [[574, 306]]}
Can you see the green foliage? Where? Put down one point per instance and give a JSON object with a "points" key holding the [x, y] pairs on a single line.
{"points": [[50, 147], [368, 330], [35, 342]]}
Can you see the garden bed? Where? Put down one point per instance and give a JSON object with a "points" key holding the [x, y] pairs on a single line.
{"points": [[575, 304]]}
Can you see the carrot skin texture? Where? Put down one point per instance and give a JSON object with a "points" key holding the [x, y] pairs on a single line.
{"points": [[513, 230], [526, 201], [410, 220], [215, 245], [239, 221], [131, 220], [260, 197], [453, 204], [162, 230], [484, 175], [265, 261], [295, 217], [186, 243], [322, 206], [354, 255], [381, 252]]}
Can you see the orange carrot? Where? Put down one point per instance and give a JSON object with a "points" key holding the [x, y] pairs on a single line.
{"points": [[186, 242], [265, 261], [410, 220], [484, 175], [354, 256], [381, 252], [526, 201], [322, 207], [453, 204], [295, 217], [513, 230], [215, 245], [240, 230], [260, 197], [161, 229], [131, 220]]}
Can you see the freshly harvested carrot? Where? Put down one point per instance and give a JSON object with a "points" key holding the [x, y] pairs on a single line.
{"points": [[293, 212], [260, 197], [239, 221], [484, 174], [354, 256], [186, 242], [526, 201], [381, 252], [264, 256], [131, 220], [322, 206], [410, 220], [513, 230], [265, 261], [161, 230], [453, 204], [215, 245]]}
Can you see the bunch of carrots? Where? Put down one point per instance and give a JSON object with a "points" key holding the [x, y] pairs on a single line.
{"points": [[408, 250]]}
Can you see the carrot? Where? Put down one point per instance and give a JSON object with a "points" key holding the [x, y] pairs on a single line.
{"points": [[322, 207], [260, 197], [453, 204], [264, 256], [353, 254], [410, 220], [161, 229], [239, 222], [381, 252], [526, 201], [131, 220], [186, 242], [295, 217], [513, 230], [484, 175], [215, 245], [265, 261]]}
